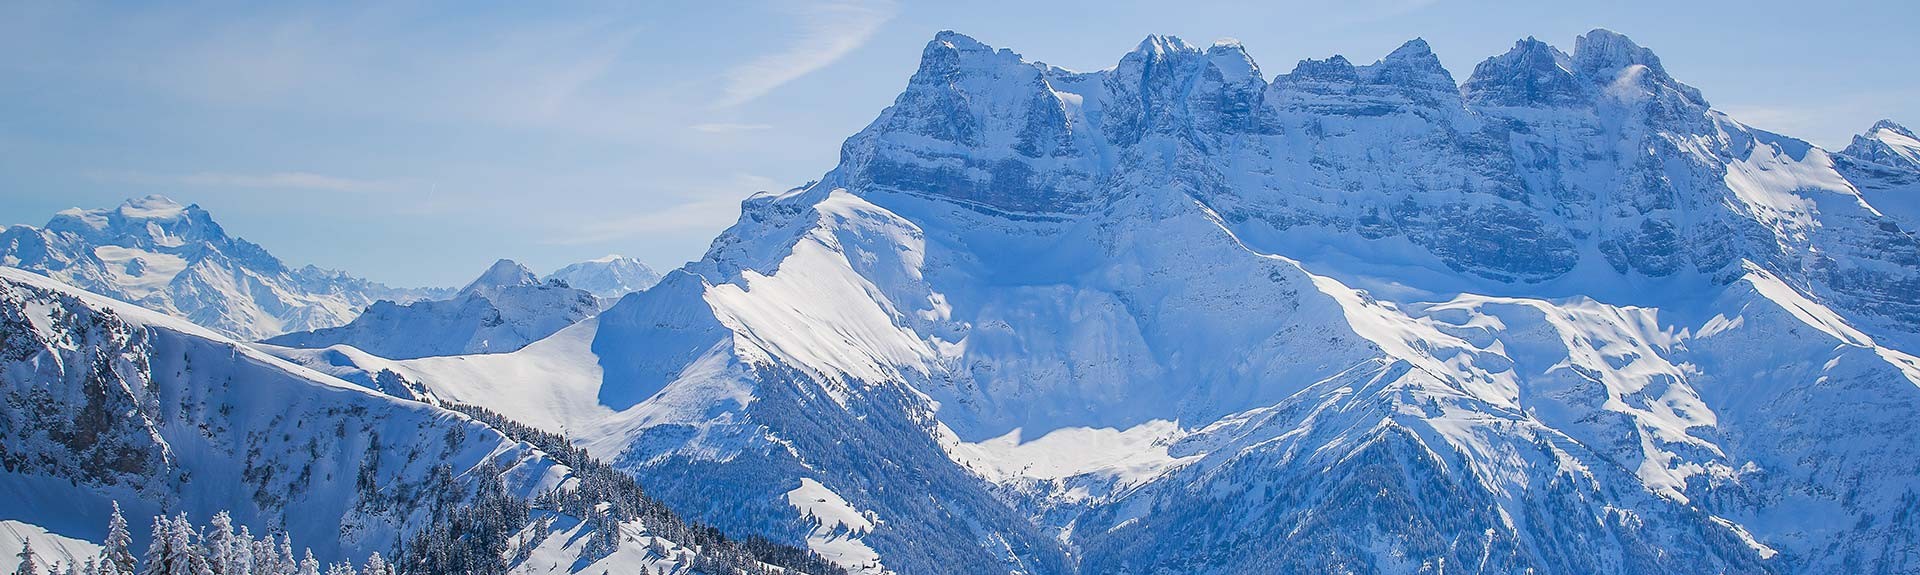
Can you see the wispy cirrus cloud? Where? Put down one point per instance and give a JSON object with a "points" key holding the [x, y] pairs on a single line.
{"points": [[828, 31], [728, 128], [712, 206], [699, 215], [302, 181], [1829, 123]]}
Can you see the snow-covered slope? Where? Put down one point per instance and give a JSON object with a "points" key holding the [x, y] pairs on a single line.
{"points": [[503, 310], [105, 402], [164, 256], [1561, 317], [109, 401], [608, 277], [1885, 164], [1887, 143]]}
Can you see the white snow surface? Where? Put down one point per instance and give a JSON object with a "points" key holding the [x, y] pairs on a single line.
{"points": [[837, 536], [503, 310], [1885, 164], [609, 277], [174, 258], [49, 548], [1563, 317], [203, 423]]}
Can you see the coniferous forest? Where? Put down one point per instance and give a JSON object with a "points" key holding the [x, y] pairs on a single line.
{"points": [[489, 534]]}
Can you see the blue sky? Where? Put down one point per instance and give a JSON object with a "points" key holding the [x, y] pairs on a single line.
{"points": [[416, 142]]}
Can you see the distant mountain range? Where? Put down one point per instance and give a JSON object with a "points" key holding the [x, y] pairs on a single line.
{"points": [[176, 259], [608, 277], [1173, 316], [503, 310]]}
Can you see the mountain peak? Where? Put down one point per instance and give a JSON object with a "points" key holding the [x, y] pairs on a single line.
{"points": [[1606, 46], [1416, 48], [503, 273], [1607, 58], [1232, 60], [608, 277], [951, 53], [154, 207], [1161, 44], [1887, 143], [1414, 65], [1532, 73], [957, 40], [149, 222], [1602, 54], [175, 258], [1891, 126], [1333, 68]]}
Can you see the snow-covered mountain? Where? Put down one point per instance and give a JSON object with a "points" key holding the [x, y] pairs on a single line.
{"points": [[1885, 164], [105, 401], [176, 259], [1887, 144], [502, 310], [1173, 317], [609, 277]]}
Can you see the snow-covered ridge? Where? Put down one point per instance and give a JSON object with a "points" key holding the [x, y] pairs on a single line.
{"points": [[175, 258], [111, 403], [503, 310], [1887, 143], [1561, 317], [1884, 163], [608, 277], [194, 409]]}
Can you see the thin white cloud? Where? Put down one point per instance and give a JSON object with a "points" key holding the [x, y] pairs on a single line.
{"points": [[715, 209], [728, 128], [1830, 123], [305, 181], [828, 31], [703, 215]]}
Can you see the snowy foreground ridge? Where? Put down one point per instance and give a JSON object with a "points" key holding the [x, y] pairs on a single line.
{"points": [[1561, 317], [107, 403]]}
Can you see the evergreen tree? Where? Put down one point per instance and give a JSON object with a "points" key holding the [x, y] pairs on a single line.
{"points": [[283, 555], [117, 557], [275, 556], [155, 562], [264, 560], [217, 545], [29, 564], [241, 561], [309, 565], [156, 549], [197, 562]]}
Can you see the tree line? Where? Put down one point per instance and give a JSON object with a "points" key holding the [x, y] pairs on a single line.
{"points": [[487, 533]]}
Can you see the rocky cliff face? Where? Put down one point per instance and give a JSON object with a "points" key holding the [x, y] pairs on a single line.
{"points": [[1563, 317]]}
